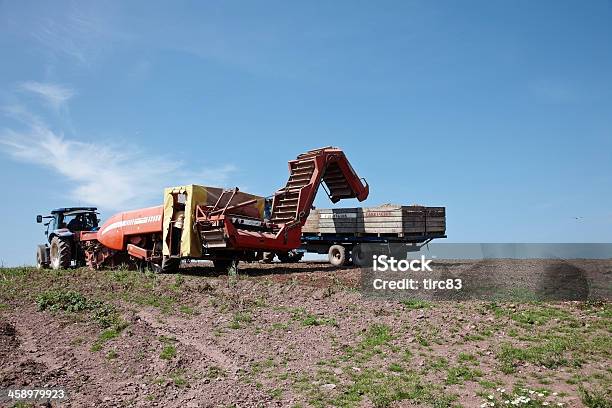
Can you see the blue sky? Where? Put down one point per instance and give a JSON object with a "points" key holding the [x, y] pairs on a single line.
{"points": [[499, 110]]}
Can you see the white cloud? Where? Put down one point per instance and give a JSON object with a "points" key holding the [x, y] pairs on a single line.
{"points": [[55, 95], [110, 177]]}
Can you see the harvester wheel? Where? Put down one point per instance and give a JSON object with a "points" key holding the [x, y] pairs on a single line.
{"points": [[268, 257], [290, 257], [229, 266], [337, 255], [60, 253], [170, 265]]}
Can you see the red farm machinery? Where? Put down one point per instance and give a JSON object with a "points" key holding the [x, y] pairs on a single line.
{"points": [[224, 226]]}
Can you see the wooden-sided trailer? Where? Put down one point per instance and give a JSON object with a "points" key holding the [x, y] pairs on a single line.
{"points": [[343, 233]]}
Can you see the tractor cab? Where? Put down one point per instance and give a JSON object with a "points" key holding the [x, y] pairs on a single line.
{"points": [[61, 250], [71, 220]]}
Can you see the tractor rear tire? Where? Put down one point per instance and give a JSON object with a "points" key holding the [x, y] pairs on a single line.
{"points": [[337, 255], [60, 253], [290, 257]]}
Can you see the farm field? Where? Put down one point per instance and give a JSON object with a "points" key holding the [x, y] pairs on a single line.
{"points": [[292, 335]]}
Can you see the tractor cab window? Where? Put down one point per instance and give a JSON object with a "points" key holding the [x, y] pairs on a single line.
{"points": [[80, 222]]}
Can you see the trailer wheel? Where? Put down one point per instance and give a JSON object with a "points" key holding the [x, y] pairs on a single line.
{"points": [[60, 253], [337, 255], [290, 257], [358, 256]]}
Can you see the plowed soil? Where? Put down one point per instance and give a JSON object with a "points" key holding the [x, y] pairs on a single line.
{"points": [[290, 335]]}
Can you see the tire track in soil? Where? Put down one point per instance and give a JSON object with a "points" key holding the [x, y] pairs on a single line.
{"points": [[230, 390], [171, 327]]}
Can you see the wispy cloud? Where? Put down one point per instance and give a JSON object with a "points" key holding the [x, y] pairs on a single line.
{"points": [[111, 177], [56, 95]]}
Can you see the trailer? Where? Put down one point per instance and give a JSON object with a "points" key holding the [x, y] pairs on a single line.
{"points": [[351, 235]]}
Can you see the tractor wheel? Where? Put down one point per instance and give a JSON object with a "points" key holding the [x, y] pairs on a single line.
{"points": [[268, 257], [337, 255], [60, 253], [290, 257], [41, 259]]}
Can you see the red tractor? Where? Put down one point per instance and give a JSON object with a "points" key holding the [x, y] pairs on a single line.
{"points": [[224, 226]]}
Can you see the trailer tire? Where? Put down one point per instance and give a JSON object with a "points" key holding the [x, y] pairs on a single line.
{"points": [[358, 256], [290, 257], [337, 255], [60, 253]]}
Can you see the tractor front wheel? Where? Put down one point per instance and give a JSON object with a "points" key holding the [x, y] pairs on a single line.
{"points": [[60, 253], [41, 258]]}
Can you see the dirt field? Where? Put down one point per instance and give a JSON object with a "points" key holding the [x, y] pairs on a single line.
{"points": [[291, 335]]}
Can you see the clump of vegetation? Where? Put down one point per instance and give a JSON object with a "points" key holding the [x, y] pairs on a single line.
{"points": [[549, 354], [596, 398], [460, 374], [109, 334], [66, 300], [539, 315], [376, 335], [239, 318], [215, 372], [416, 304], [168, 352], [73, 302], [307, 319]]}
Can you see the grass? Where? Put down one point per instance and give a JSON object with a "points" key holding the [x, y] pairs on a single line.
{"points": [[416, 304], [307, 319], [168, 352], [65, 300], [239, 319], [107, 335], [550, 354], [376, 335], [215, 372], [383, 389], [540, 315], [596, 398], [460, 374]]}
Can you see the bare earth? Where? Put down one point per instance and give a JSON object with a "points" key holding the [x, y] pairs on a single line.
{"points": [[291, 335]]}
